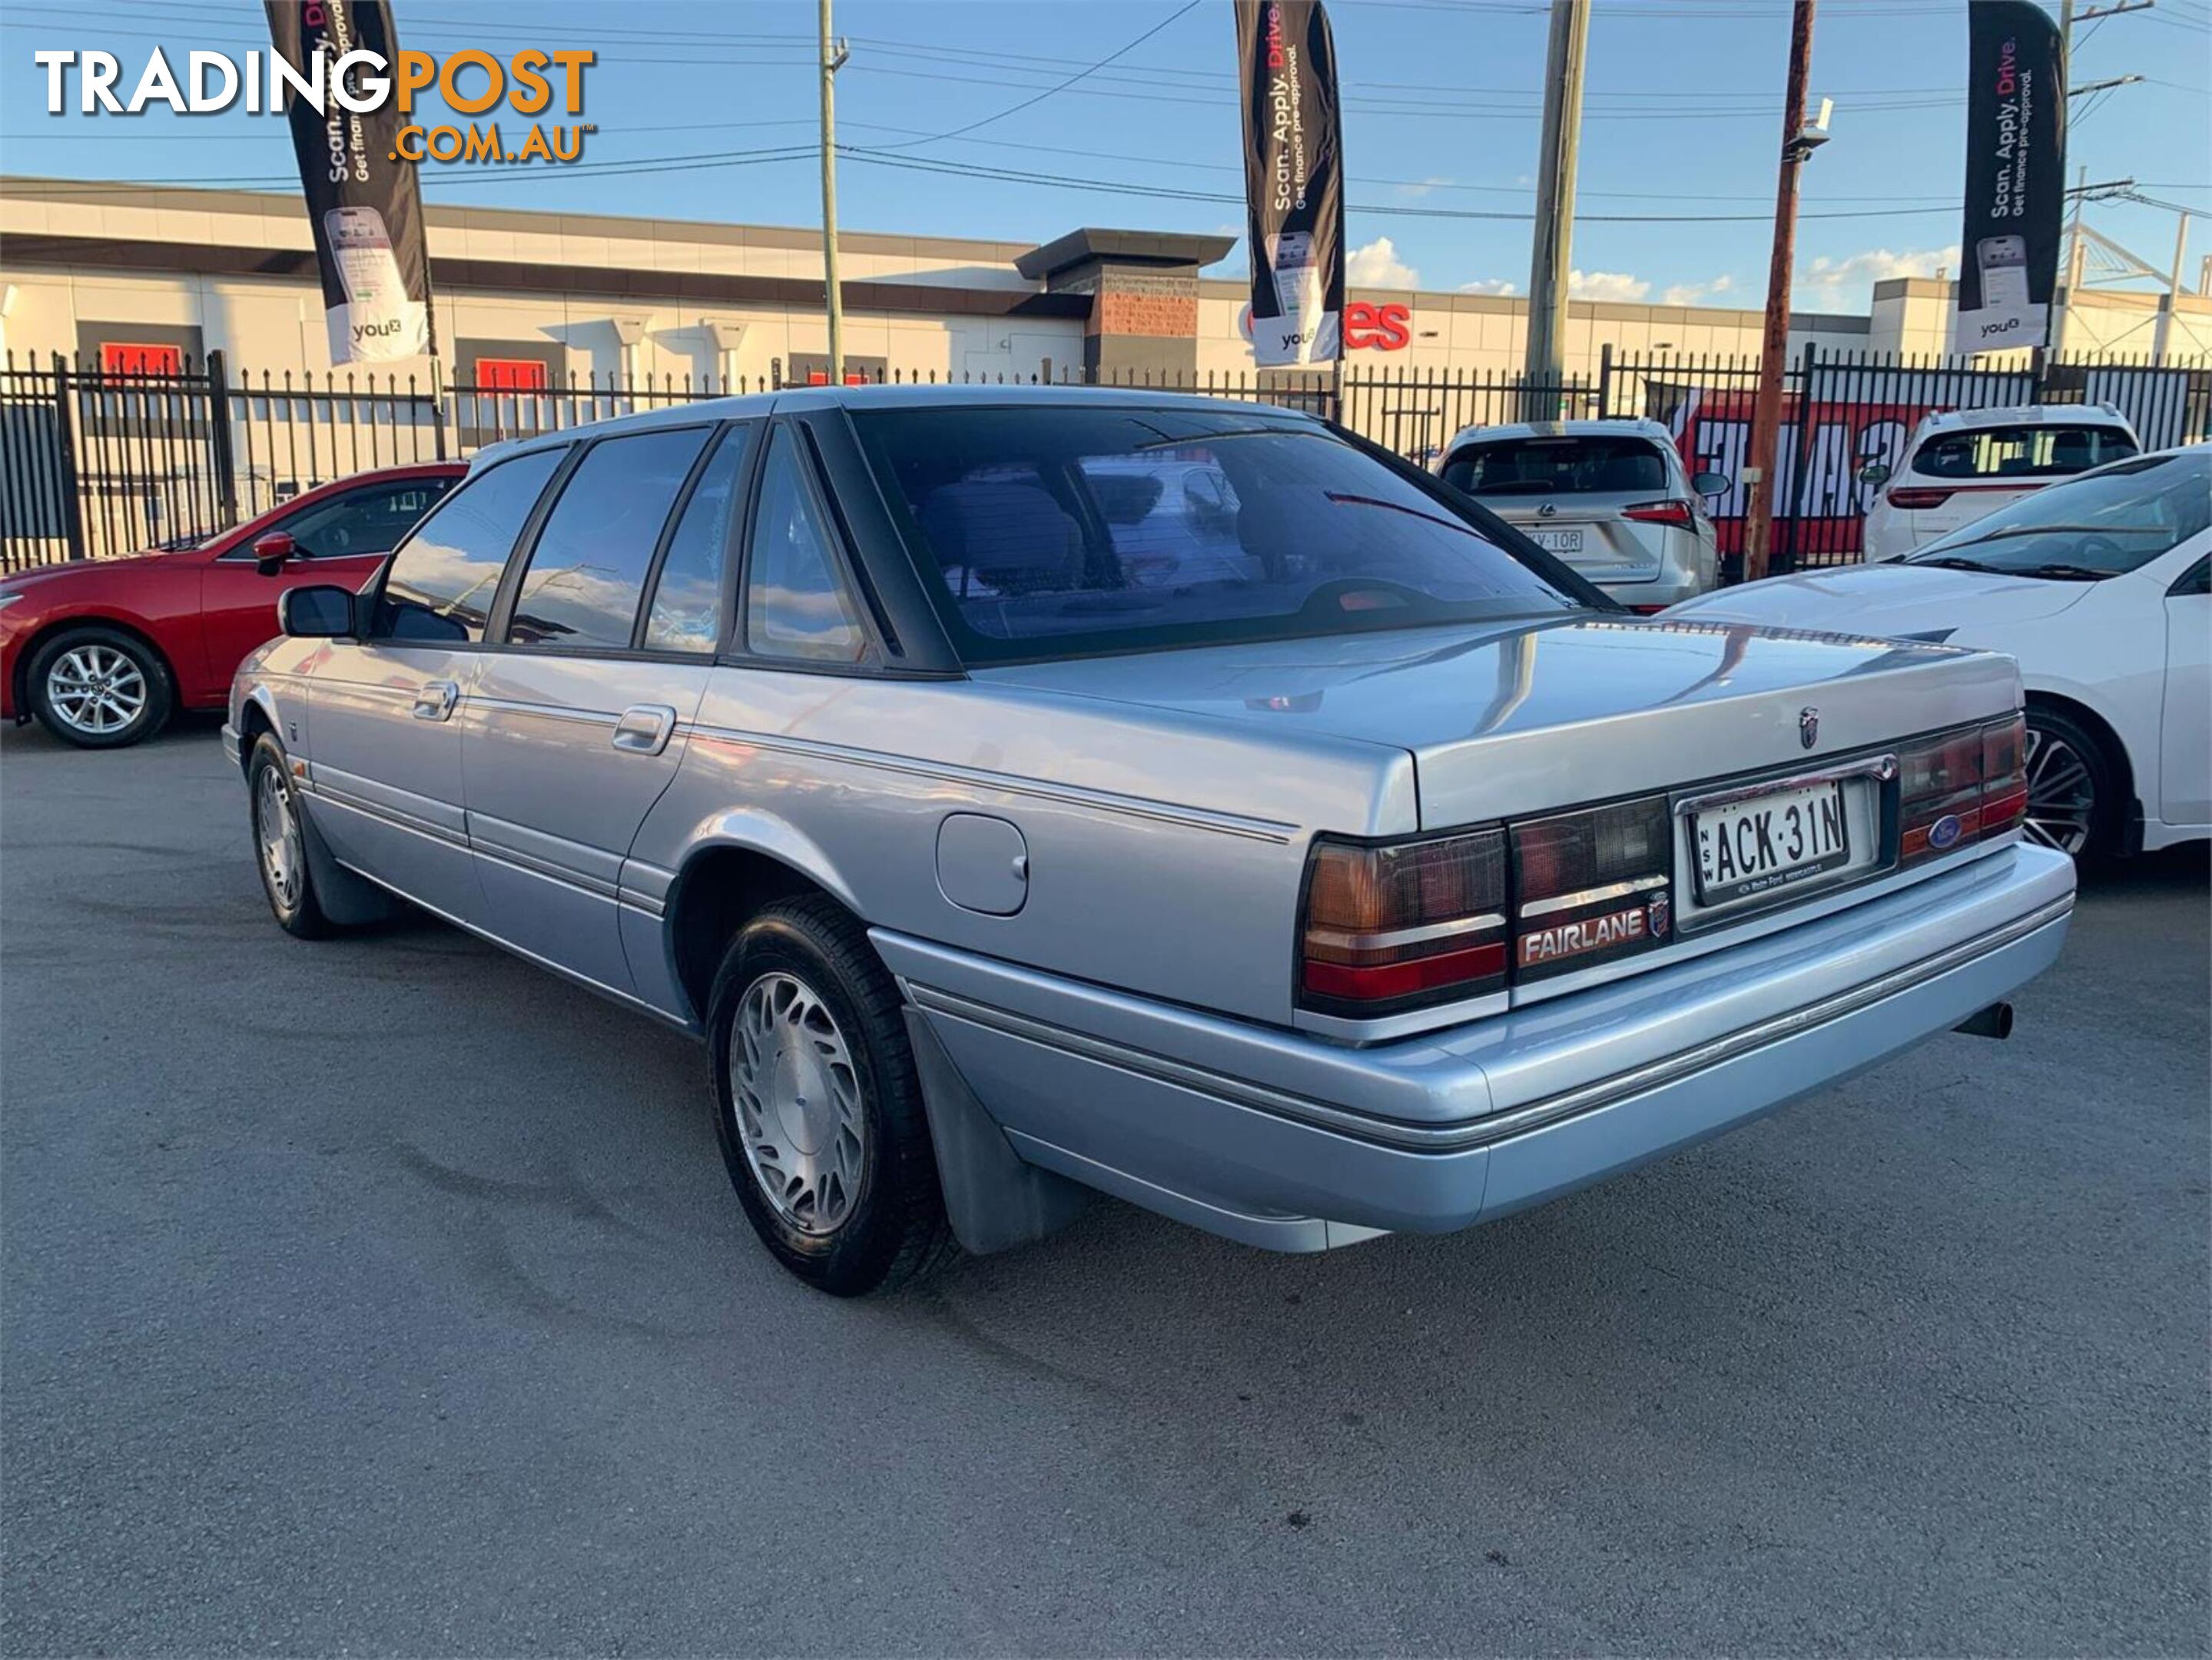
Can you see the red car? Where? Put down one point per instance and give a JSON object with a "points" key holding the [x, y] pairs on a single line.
{"points": [[103, 651]]}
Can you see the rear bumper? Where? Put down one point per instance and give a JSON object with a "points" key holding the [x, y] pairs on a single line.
{"points": [[1284, 1140]]}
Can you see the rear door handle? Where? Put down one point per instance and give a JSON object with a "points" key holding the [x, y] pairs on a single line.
{"points": [[435, 701], [644, 729]]}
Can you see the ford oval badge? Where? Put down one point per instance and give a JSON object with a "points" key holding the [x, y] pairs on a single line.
{"points": [[1944, 832]]}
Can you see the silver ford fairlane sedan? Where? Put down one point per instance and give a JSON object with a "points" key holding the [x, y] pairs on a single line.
{"points": [[1029, 792]]}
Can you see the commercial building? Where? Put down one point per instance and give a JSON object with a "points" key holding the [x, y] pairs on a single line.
{"points": [[137, 277]]}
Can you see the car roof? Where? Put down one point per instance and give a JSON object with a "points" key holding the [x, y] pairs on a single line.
{"points": [[2025, 414], [797, 398], [1633, 426]]}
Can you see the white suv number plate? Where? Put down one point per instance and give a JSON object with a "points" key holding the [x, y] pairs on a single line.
{"points": [[1768, 842], [1557, 541]]}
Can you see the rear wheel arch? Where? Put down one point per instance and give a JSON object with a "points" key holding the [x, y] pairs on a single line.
{"points": [[2107, 736], [719, 889]]}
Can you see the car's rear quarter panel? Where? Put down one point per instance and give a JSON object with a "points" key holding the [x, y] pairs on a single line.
{"points": [[1164, 852]]}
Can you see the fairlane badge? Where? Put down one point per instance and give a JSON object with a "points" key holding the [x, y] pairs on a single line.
{"points": [[1591, 934]]}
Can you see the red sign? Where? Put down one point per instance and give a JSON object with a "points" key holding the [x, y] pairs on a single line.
{"points": [[510, 374], [1379, 328], [121, 357], [1712, 430]]}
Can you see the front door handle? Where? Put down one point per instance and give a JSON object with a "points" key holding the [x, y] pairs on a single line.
{"points": [[644, 729], [435, 701]]}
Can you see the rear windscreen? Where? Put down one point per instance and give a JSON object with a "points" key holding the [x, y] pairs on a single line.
{"points": [[2023, 452], [1558, 466], [1063, 529]]}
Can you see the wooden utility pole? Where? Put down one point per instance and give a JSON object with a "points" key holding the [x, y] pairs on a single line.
{"points": [[1774, 351], [833, 58], [1551, 256]]}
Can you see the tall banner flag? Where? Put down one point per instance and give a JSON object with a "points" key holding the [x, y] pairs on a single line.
{"points": [[1293, 181], [2016, 177], [363, 202]]}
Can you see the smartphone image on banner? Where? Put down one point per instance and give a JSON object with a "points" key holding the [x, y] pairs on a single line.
{"points": [[2003, 263], [1298, 279], [362, 247]]}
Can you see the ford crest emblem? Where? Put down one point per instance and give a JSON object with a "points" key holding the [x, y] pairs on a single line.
{"points": [[1944, 832], [1658, 914], [1808, 726]]}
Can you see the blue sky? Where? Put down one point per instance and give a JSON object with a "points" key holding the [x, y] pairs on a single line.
{"points": [[1441, 121]]}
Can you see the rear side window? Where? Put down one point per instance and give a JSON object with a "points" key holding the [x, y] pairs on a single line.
{"points": [[582, 584], [440, 584], [795, 600], [687, 600], [1594, 464], [2022, 451]]}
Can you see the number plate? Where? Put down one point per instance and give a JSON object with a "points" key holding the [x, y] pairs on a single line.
{"points": [[1557, 541], [1769, 843]]}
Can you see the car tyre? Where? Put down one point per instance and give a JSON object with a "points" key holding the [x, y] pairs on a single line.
{"points": [[818, 1107], [2073, 787], [100, 688], [280, 843]]}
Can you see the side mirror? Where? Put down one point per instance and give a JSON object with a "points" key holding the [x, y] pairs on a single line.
{"points": [[1874, 474], [271, 551], [1710, 483], [322, 612]]}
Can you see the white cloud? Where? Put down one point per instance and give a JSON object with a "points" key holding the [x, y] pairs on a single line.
{"points": [[1852, 278], [1613, 285], [1696, 294], [1497, 285], [1377, 265]]}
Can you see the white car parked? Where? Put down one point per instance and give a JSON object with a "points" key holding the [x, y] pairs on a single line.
{"points": [[1961, 464], [2099, 587], [1610, 498]]}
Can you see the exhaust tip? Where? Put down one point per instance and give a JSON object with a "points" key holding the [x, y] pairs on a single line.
{"points": [[1995, 1021]]}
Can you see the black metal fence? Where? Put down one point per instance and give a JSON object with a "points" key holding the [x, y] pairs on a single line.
{"points": [[95, 463]]}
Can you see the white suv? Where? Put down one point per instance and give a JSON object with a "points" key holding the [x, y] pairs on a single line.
{"points": [[1962, 464]]}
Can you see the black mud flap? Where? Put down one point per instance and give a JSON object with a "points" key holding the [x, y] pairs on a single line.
{"points": [[994, 1198]]}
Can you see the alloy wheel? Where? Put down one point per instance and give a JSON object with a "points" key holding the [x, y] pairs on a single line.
{"points": [[277, 829], [96, 689], [2062, 793], [797, 1099]]}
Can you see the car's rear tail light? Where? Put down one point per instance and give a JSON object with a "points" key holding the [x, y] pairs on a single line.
{"points": [[1679, 513], [1939, 794], [1908, 496], [1591, 886], [1405, 927], [1961, 787], [1647, 610], [2004, 776]]}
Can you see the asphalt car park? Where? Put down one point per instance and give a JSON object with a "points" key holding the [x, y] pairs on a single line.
{"points": [[390, 1296]]}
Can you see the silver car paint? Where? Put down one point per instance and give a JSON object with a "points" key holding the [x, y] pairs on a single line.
{"points": [[1166, 804]]}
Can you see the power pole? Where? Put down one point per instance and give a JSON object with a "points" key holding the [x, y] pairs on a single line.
{"points": [[1552, 256], [1774, 348], [833, 59]]}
